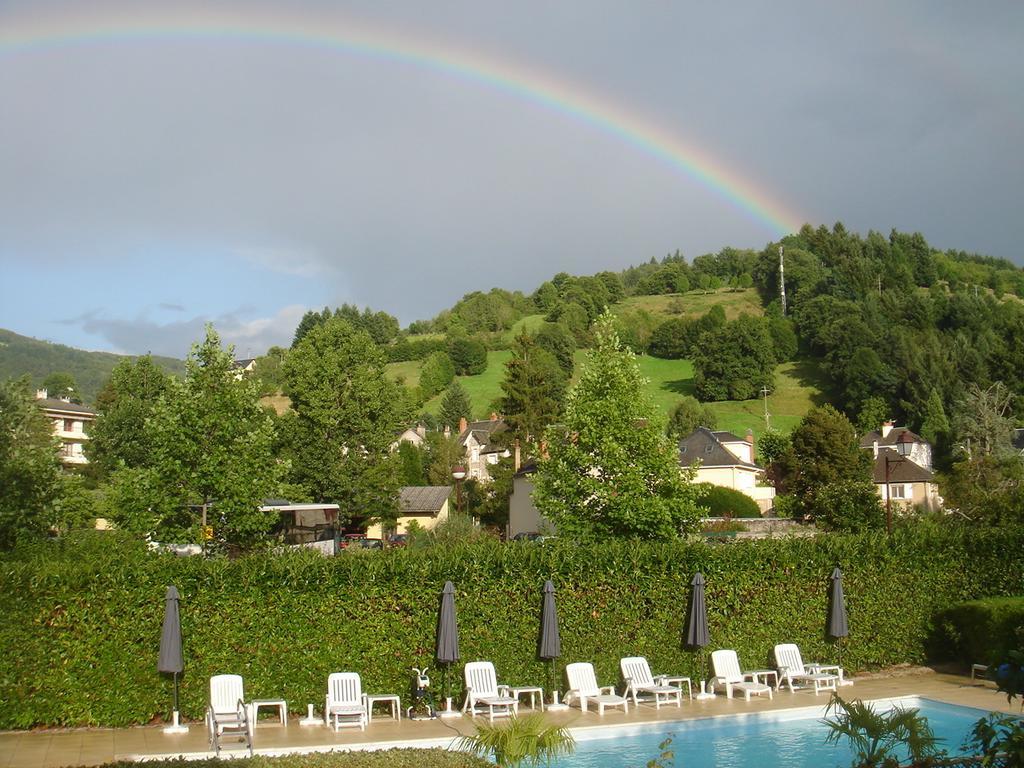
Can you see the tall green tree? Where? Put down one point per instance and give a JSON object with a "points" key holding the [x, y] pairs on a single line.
{"points": [[734, 361], [610, 470], [533, 389], [347, 412], [211, 447], [688, 414], [455, 405], [119, 437], [436, 374], [29, 465], [559, 341]]}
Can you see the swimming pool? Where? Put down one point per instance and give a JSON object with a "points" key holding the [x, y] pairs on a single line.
{"points": [[792, 738]]}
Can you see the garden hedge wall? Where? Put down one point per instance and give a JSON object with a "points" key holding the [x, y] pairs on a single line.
{"points": [[81, 617], [980, 631]]}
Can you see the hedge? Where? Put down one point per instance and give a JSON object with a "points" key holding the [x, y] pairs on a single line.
{"points": [[82, 616], [728, 502], [980, 631], [386, 758]]}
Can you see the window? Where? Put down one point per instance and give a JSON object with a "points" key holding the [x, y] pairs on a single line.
{"points": [[899, 491], [69, 425]]}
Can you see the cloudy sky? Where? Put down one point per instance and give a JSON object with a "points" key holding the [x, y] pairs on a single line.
{"points": [[165, 164]]}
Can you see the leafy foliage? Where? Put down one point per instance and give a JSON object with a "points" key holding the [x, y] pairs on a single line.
{"points": [[469, 355], [455, 405], [347, 413], [611, 471], [688, 414], [727, 502], [29, 467], [519, 740], [62, 384], [876, 736], [847, 505], [983, 630], [437, 373], [735, 361], [85, 611], [119, 437]]}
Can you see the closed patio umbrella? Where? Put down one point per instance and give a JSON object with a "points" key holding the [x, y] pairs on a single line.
{"points": [[697, 623], [550, 645], [447, 650], [837, 623], [171, 660]]}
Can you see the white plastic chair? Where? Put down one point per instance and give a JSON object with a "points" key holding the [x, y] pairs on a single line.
{"points": [[345, 700], [639, 680], [727, 673], [227, 714], [791, 668], [583, 687], [482, 688]]}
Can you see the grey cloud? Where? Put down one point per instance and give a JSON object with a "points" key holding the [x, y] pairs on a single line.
{"points": [[171, 307], [140, 335]]}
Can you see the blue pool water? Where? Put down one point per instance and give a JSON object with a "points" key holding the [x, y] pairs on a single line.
{"points": [[792, 739]]}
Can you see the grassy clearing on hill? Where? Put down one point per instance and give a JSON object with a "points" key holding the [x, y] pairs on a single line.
{"points": [[483, 389], [693, 304]]}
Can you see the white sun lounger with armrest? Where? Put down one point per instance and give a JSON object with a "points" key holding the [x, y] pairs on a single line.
{"points": [[583, 688]]}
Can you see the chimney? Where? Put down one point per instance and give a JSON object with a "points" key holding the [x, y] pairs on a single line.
{"points": [[874, 448], [462, 424], [516, 462], [494, 416], [750, 436], [41, 394], [886, 428]]}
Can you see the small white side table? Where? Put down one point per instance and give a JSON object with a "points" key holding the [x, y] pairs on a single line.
{"points": [[829, 669], [281, 704], [389, 698], [536, 692], [678, 683], [757, 674]]}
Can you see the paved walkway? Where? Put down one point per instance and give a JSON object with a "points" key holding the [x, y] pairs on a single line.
{"points": [[93, 746]]}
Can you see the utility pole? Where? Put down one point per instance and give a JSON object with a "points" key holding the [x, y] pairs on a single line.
{"points": [[767, 417], [782, 282]]}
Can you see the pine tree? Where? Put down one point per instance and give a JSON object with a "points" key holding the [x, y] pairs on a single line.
{"points": [[455, 405], [934, 424], [534, 387]]}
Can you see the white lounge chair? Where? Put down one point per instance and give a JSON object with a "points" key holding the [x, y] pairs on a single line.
{"points": [[227, 714], [727, 673], [482, 688], [345, 702], [639, 681], [583, 687], [791, 669]]}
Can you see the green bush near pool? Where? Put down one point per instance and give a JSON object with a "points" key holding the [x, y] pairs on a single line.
{"points": [[81, 617], [980, 631]]}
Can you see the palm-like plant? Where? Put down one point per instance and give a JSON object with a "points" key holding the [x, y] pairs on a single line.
{"points": [[522, 739], [875, 736]]}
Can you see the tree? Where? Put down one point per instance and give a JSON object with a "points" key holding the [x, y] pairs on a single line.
{"points": [[825, 451], [61, 384], [347, 412], [672, 339], [29, 464], [610, 469], [872, 414], [119, 436], [559, 341], [269, 371], [983, 423], [876, 736], [410, 465], [734, 361], [446, 454], [211, 447], [534, 389], [436, 374], [455, 405], [934, 424], [688, 414], [848, 505], [468, 355]]}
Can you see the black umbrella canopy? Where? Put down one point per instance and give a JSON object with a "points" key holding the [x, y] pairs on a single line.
{"points": [[171, 660], [697, 624], [447, 650], [550, 642], [837, 624]]}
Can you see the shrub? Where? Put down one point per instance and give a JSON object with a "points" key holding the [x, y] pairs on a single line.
{"points": [[727, 502], [979, 631], [468, 355], [84, 612]]}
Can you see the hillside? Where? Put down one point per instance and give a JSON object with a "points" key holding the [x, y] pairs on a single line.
{"points": [[20, 355]]}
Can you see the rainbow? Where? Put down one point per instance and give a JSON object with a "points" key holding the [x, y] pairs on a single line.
{"points": [[29, 34]]}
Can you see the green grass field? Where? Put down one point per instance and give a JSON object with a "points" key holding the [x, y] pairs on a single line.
{"points": [[693, 304], [797, 388]]}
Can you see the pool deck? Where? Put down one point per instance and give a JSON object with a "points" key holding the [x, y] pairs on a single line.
{"points": [[92, 746]]}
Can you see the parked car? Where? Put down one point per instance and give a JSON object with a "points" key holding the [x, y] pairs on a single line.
{"points": [[532, 537], [398, 539], [351, 539]]}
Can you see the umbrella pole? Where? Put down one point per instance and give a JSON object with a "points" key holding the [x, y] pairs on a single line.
{"points": [[176, 726]]}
